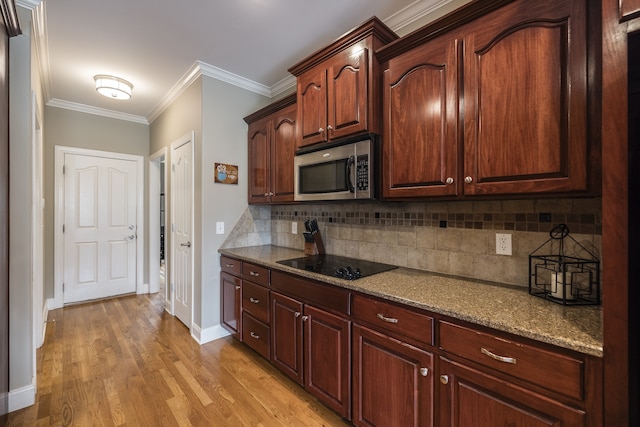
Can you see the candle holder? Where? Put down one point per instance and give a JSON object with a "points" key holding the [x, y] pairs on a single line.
{"points": [[563, 271]]}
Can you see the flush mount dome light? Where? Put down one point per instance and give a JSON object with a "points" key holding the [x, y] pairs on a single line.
{"points": [[113, 87]]}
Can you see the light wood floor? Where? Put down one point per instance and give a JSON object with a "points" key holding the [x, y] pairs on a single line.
{"points": [[125, 362]]}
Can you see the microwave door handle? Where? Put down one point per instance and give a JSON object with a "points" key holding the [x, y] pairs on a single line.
{"points": [[350, 163]]}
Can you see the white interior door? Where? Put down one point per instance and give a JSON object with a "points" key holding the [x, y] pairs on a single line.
{"points": [[181, 226], [100, 227]]}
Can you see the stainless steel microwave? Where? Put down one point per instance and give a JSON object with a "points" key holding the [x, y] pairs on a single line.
{"points": [[341, 172]]}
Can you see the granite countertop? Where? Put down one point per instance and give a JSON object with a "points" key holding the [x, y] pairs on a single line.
{"points": [[505, 308]]}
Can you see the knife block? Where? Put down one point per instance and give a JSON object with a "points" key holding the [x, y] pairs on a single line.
{"points": [[316, 247]]}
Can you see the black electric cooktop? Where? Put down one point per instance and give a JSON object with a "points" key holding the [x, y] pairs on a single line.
{"points": [[337, 266]]}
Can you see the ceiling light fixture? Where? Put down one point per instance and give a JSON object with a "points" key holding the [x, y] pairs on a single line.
{"points": [[113, 87]]}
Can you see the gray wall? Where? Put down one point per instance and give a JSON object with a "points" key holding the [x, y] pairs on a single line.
{"points": [[214, 110], [21, 354], [81, 130]]}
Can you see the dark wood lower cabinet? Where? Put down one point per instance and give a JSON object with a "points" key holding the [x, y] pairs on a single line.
{"points": [[392, 381], [327, 359], [231, 294], [312, 346], [470, 397]]}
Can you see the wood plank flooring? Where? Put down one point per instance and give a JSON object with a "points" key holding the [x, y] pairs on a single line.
{"points": [[126, 362]]}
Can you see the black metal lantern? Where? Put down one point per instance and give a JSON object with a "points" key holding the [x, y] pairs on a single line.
{"points": [[563, 271]]}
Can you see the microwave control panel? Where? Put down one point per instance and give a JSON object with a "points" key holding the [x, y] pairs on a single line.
{"points": [[362, 173]]}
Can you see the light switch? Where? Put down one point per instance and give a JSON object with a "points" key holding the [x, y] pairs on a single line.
{"points": [[219, 227]]}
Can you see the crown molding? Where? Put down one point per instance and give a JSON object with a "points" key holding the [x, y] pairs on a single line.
{"points": [[83, 108], [413, 12]]}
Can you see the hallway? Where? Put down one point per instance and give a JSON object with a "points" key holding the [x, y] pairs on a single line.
{"points": [[124, 361]]}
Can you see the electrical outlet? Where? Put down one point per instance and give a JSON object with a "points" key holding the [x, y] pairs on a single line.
{"points": [[503, 244], [219, 227], [294, 227]]}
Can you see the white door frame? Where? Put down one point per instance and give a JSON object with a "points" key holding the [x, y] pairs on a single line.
{"points": [[188, 137], [60, 151], [37, 223], [154, 219]]}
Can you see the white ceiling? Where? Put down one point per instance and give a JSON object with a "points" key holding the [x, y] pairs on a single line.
{"points": [[159, 46]]}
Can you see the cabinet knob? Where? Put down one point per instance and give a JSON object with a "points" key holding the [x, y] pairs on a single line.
{"points": [[329, 127], [266, 194], [237, 288], [444, 379], [254, 300], [304, 318], [297, 314], [449, 181], [424, 371], [271, 193], [320, 130], [254, 335], [254, 274], [230, 265], [468, 180]]}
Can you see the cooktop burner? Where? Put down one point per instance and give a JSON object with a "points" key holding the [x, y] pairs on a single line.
{"points": [[337, 266]]}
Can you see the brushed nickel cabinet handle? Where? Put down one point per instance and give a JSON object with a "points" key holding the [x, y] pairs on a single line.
{"points": [[386, 319], [230, 265], [304, 318], [254, 335], [254, 300], [504, 359], [254, 274]]}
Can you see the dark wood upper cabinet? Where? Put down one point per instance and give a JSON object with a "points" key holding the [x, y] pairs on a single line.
{"points": [[525, 99], [629, 9], [496, 105], [420, 110], [271, 138], [338, 90]]}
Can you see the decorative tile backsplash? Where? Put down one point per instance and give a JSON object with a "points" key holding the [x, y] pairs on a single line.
{"points": [[456, 238]]}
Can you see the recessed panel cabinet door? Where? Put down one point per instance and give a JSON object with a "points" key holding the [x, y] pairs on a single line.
{"points": [[286, 336], [312, 107], [392, 381], [420, 103], [283, 145], [525, 83], [348, 93], [259, 162], [469, 397], [231, 288]]}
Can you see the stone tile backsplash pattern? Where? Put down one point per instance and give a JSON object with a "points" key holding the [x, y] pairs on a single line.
{"points": [[456, 237]]}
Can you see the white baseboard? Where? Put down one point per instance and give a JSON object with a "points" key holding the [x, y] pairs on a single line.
{"points": [[143, 289], [22, 397], [203, 336]]}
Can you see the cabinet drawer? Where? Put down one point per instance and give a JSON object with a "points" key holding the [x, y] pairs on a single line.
{"points": [[256, 335], [553, 371], [255, 300], [394, 318], [255, 273], [230, 265], [310, 292]]}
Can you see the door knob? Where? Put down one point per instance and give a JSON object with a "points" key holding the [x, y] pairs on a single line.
{"points": [[188, 244], [130, 237]]}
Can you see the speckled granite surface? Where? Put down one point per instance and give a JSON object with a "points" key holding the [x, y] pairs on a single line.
{"points": [[503, 308]]}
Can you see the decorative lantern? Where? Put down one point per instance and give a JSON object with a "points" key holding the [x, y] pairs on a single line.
{"points": [[563, 271]]}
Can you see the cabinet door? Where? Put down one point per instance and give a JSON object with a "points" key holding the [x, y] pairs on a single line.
{"points": [[629, 9], [348, 93], [392, 381], [259, 159], [231, 288], [327, 359], [525, 83], [312, 107], [469, 397], [420, 103], [283, 145], [286, 336]]}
